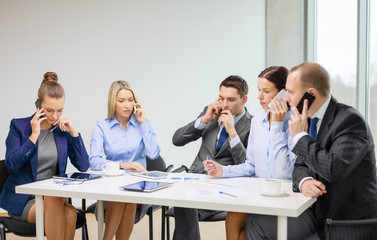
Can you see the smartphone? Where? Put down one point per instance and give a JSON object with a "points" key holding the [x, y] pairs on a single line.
{"points": [[38, 104], [310, 99], [280, 95]]}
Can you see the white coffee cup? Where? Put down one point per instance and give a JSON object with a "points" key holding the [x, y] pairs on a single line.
{"points": [[111, 168], [271, 185]]}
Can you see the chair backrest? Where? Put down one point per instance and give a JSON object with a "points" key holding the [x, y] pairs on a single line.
{"points": [[3, 174], [156, 164], [351, 229]]}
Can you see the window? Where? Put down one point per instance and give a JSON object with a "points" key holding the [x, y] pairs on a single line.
{"points": [[337, 46], [373, 68]]}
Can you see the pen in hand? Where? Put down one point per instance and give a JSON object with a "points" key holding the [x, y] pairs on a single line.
{"points": [[208, 163], [52, 129]]}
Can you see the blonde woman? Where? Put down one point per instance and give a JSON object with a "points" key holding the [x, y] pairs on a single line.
{"points": [[126, 137]]}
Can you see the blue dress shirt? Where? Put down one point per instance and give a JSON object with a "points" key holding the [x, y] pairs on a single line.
{"points": [[269, 152], [119, 145]]}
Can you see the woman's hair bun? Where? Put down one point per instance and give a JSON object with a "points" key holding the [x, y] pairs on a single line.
{"points": [[50, 76]]}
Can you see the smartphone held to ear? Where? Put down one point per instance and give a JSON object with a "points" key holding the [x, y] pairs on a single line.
{"points": [[38, 104], [310, 99], [280, 95]]}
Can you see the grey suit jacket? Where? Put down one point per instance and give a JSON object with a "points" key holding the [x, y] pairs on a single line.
{"points": [[343, 159], [226, 155]]}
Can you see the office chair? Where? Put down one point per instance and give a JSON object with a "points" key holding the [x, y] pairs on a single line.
{"points": [[152, 165], [167, 213], [24, 229], [351, 229]]}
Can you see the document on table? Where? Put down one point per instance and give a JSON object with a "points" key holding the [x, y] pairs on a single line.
{"points": [[234, 182], [185, 177], [223, 192]]}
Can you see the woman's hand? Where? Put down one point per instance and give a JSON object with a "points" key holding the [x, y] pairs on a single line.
{"points": [[140, 114], [213, 168], [278, 114], [66, 125], [35, 123], [133, 166]]}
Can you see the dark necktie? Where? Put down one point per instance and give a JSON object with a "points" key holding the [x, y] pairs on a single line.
{"points": [[313, 128], [223, 136]]}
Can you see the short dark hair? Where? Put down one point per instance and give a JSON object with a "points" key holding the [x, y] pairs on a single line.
{"points": [[315, 76], [275, 74], [236, 82]]}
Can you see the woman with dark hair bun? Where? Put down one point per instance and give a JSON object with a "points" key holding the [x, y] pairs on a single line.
{"points": [[37, 148], [269, 152]]}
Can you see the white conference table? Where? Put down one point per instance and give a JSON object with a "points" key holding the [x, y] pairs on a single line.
{"points": [[201, 194]]}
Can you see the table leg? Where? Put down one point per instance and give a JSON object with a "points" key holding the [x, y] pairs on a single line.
{"points": [[100, 214], [282, 228], [39, 227]]}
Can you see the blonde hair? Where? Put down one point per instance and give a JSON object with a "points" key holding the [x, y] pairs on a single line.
{"points": [[113, 93], [50, 87]]}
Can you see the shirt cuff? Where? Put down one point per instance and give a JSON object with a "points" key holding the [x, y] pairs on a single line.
{"points": [[276, 127], [225, 171], [144, 128], [233, 142], [298, 137], [199, 125], [302, 181]]}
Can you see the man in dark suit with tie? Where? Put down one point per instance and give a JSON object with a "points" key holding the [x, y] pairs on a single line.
{"points": [[224, 128], [335, 162]]}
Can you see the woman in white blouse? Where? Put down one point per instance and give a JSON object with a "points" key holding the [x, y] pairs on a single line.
{"points": [[268, 152]]}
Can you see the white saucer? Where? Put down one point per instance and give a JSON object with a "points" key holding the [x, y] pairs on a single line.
{"points": [[273, 194], [114, 174]]}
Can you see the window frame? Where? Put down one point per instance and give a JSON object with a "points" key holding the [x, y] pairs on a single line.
{"points": [[363, 39]]}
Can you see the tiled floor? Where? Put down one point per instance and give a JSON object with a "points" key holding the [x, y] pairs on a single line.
{"points": [[210, 231]]}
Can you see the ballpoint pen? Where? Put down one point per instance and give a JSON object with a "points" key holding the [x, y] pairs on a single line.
{"points": [[52, 129], [207, 163], [228, 194]]}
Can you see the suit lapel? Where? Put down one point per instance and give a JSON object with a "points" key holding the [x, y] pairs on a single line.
{"points": [[213, 130], [61, 144], [328, 119], [34, 157]]}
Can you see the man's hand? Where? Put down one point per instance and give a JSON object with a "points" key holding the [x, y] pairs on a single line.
{"points": [[313, 188], [299, 122], [227, 119], [213, 168], [212, 112]]}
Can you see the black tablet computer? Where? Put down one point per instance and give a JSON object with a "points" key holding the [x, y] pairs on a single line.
{"points": [[80, 176], [146, 186]]}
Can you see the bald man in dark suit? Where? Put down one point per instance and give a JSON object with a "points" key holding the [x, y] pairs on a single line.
{"points": [[335, 162]]}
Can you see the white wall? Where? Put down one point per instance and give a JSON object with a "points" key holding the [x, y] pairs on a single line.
{"points": [[173, 52]]}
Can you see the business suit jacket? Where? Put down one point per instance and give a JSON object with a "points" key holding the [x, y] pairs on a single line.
{"points": [[343, 159], [226, 155], [22, 160]]}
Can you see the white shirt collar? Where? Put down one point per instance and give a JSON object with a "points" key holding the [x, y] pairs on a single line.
{"points": [[321, 111]]}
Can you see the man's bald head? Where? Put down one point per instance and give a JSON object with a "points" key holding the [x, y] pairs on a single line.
{"points": [[313, 75]]}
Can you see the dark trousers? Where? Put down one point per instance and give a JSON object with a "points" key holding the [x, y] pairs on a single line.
{"points": [[187, 222], [265, 227]]}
